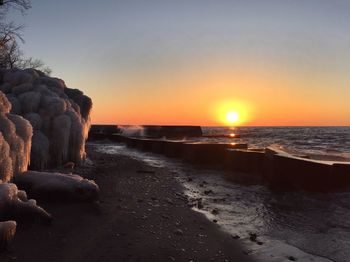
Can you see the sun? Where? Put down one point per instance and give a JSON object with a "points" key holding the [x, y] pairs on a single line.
{"points": [[232, 117], [231, 113]]}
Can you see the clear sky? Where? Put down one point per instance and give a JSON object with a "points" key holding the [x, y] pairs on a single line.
{"points": [[282, 62]]}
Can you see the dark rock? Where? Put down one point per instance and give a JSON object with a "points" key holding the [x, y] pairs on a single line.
{"points": [[178, 232], [253, 237], [215, 211]]}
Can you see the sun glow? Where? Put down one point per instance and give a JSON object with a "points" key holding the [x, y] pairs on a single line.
{"points": [[232, 117], [232, 113]]}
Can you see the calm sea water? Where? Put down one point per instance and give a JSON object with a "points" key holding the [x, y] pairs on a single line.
{"points": [[305, 226]]}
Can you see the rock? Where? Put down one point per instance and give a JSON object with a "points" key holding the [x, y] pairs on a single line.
{"points": [[169, 201], [253, 237], [215, 211], [200, 204], [57, 186], [178, 232], [69, 165]]}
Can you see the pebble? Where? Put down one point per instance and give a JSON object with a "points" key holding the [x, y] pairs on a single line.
{"points": [[178, 232], [168, 200], [253, 237], [166, 216], [215, 211]]}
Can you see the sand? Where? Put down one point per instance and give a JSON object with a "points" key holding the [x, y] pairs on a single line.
{"points": [[142, 215]]}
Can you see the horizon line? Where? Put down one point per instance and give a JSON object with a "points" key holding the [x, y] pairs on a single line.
{"points": [[224, 125]]}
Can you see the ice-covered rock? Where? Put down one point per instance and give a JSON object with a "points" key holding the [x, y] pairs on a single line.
{"points": [[60, 116], [14, 205], [7, 233], [5, 105], [15, 141], [57, 186], [6, 170], [39, 156]]}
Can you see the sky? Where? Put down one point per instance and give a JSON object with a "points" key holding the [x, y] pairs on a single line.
{"points": [[282, 62]]}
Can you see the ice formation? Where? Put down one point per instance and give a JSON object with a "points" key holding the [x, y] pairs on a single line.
{"points": [[42, 123], [57, 186], [14, 205], [7, 232], [60, 116], [15, 141]]}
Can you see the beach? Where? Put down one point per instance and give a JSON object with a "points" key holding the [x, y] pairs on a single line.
{"points": [[142, 215]]}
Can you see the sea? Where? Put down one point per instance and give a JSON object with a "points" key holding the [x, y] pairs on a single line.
{"points": [[272, 226]]}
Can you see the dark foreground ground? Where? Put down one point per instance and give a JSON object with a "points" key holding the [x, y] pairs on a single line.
{"points": [[142, 216]]}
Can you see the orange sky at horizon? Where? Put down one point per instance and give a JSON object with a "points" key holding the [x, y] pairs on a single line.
{"points": [[204, 97]]}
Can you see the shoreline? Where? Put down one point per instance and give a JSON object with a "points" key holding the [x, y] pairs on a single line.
{"points": [[143, 215], [233, 205]]}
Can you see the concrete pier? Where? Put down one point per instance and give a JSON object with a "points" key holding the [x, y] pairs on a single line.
{"points": [[172, 131], [173, 148], [131, 142], [245, 160], [272, 166], [285, 170], [208, 154]]}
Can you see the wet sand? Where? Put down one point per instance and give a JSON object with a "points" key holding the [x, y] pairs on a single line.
{"points": [[142, 215]]}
